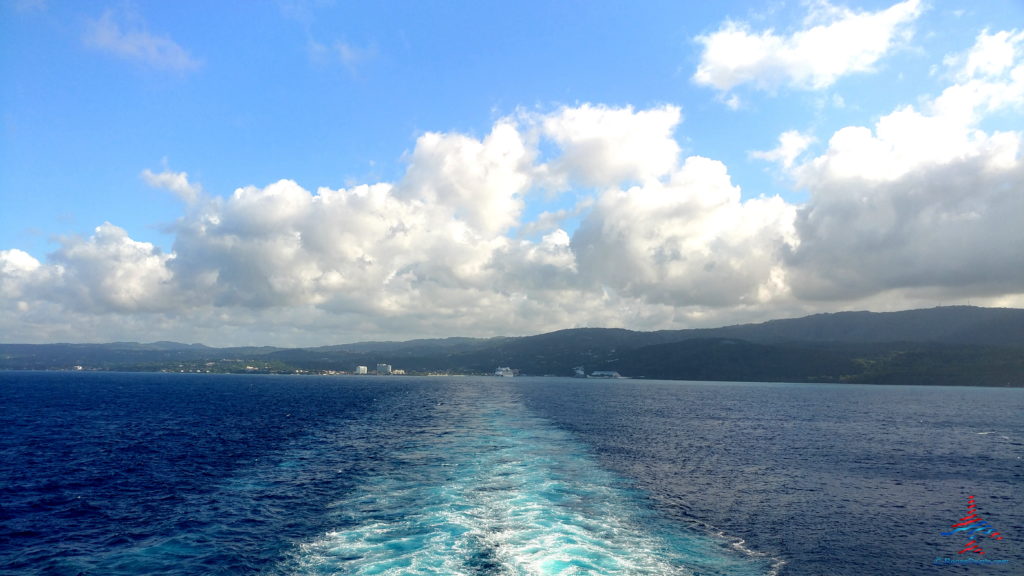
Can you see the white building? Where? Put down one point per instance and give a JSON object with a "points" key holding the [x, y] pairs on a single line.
{"points": [[361, 370]]}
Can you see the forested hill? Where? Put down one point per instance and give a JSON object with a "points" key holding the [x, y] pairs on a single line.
{"points": [[960, 325], [959, 345]]}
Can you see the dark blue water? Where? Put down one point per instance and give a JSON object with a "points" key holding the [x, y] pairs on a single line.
{"points": [[189, 474]]}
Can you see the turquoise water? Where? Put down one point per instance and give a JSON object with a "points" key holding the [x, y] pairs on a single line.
{"points": [[500, 491]]}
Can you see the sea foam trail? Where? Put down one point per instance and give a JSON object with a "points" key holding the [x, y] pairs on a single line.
{"points": [[489, 489]]}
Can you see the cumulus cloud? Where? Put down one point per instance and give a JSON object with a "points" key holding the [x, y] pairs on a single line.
{"points": [[434, 252], [912, 208], [941, 229], [126, 36], [479, 182], [944, 129], [419, 245], [604, 146], [923, 201], [836, 42], [688, 241], [17, 271], [111, 272]]}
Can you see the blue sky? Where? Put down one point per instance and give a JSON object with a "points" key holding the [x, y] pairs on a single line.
{"points": [[314, 172]]}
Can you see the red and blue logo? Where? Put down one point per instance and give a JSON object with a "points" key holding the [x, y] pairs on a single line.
{"points": [[974, 528]]}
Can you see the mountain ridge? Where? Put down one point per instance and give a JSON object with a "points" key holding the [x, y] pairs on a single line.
{"points": [[962, 345]]}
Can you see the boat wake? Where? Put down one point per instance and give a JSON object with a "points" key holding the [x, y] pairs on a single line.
{"points": [[489, 489]]}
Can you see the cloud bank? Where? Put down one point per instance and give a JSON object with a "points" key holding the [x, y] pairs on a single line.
{"points": [[915, 210], [925, 200]]}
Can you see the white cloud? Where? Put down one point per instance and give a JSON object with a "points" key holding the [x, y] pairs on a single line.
{"points": [[111, 272], [432, 253], [813, 58], [992, 54], [991, 78], [17, 272], [421, 244], [926, 202], [480, 182], [604, 146], [944, 130], [687, 241], [176, 182], [15, 261], [126, 36], [910, 210], [792, 144]]}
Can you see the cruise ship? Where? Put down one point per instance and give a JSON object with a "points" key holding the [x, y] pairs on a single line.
{"points": [[579, 372]]}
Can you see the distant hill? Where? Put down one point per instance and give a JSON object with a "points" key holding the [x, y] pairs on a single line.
{"points": [[958, 345], [947, 325]]}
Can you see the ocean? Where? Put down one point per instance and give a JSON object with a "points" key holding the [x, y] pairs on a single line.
{"points": [[126, 473]]}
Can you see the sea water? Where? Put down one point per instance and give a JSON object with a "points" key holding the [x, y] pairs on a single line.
{"points": [[105, 473]]}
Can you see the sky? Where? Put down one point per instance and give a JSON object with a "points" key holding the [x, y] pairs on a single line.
{"points": [[316, 172]]}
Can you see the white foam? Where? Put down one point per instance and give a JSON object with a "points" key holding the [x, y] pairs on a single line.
{"points": [[516, 496]]}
